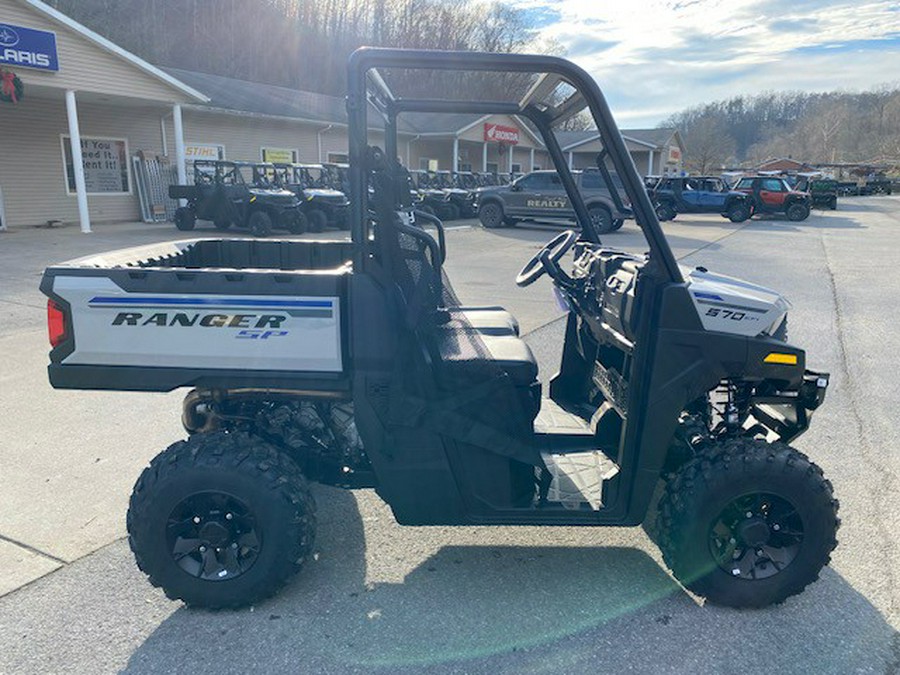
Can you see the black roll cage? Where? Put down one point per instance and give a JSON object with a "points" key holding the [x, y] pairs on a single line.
{"points": [[363, 71]]}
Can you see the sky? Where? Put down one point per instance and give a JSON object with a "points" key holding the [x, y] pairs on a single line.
{"points": [[653, 58]]}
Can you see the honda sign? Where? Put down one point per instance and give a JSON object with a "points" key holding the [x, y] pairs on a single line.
{"points": [[497, 133]]}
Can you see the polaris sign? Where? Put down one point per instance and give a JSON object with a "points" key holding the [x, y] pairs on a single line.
{"points": [[28, 48]]}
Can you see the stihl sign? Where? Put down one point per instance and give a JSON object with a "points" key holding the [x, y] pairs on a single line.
{"points": [[497, 133]]}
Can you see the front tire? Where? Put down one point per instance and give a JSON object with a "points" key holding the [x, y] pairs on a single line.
{"points": [[665, 212], [317, 220], [747, 523], [185, 218], [738, 213], [491, 215], [221, 520], [797, 212], [260, 224]]}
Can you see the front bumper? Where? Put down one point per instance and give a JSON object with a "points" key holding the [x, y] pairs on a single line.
{"points": [[788, 413]]}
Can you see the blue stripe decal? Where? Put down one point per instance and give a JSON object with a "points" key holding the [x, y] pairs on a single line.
{"points": [[208, 302], [707, 296]]}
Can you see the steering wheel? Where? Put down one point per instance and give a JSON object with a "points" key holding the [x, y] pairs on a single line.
{"points": [[552, 251]]}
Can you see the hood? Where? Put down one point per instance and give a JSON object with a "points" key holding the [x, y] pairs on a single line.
{"points": [[323, 192], [734, 306], [271, 192]]}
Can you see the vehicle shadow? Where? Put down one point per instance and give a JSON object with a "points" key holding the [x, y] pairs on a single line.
{"points": [[482, 604]]}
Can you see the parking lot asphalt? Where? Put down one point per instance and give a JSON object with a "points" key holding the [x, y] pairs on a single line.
{"points": [[384, 598]]}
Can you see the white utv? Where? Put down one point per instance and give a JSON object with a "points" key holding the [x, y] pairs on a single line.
{"points": [[354, 364]]}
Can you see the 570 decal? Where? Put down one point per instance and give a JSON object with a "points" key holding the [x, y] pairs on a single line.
{"points": [[732, 314]]}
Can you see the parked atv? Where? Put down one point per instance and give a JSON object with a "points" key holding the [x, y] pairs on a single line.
{"points": [[222, 194], [771, 194], [320, 203], [699, 194], [462, 198], [354, 364]]}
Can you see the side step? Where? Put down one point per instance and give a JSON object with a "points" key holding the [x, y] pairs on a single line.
{"points": [[577, 468]]}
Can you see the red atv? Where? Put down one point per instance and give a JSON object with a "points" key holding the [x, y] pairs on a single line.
{"points": [[770, 194]]}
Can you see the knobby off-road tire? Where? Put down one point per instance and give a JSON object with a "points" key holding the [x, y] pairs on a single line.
{"points": [[260, 224], [797, 212], [738, 213], [317, 220], [221, 520], [491, 215], [665, 212], [184, 219], [723, 484]]}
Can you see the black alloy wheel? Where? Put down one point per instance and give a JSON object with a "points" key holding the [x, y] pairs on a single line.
{"points": [[213, 536]]}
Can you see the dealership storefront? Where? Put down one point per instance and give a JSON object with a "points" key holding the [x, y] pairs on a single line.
{"points": [[79, 107]]}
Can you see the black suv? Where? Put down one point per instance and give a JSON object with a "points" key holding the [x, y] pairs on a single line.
{"points": [[540, 194]]}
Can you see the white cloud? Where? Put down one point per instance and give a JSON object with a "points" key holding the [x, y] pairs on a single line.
{"points": [[654, 57]]}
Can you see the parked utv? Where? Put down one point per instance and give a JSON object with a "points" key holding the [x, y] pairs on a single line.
{"points": [[822, 191], [699, 194], [222, 194], [771, 194], [321, 204], [431, 198], [354, 364], [461, 197]]}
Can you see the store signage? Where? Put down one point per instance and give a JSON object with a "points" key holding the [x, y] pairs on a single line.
{"points": [[279, 155], [204, 151], [105, 162], [497, 133], [28, 47]]}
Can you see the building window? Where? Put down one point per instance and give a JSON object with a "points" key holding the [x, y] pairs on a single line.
{"points": [[105, 162], [517, 168], [338, 158], [492, 167], [278, 155], [536, 167], [465, 167], [427, 164]]}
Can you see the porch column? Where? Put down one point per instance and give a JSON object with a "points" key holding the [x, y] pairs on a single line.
{"points": [[532, 159], [571, 159], [179, 145], [650, 164], [512, 149], [484, 150], [84, 217], [455, 154]]}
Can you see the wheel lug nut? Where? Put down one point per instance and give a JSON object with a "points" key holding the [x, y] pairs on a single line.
{"points": [[760, 552], [228, 516], [749, 514], [776, 527], [732, 541], [234, 545], [735, 572], [202, 549], [196, 519]]}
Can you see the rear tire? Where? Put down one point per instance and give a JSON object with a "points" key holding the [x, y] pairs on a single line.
{"points": [[797, 212], [833, 204], [221, 520], [601, 218], [185, 218], [747, 523], [260, 224], [491, 215], [317, 220]]}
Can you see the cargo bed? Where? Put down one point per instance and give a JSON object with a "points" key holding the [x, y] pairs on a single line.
{"points": [[204, 313]]}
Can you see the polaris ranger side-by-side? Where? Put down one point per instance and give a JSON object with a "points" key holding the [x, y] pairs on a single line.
{"points": [[355, 365], [227, 193]]}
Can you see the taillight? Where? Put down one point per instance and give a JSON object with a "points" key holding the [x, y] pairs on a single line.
{"points": [[56, 323]]}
